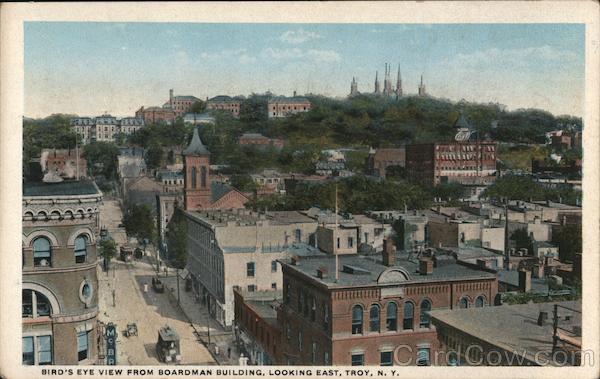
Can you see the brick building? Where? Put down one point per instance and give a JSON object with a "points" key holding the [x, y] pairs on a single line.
{"points": [[376, 311], [60, 285], [225, 104], [156, 115], [180, 105], [66, 163], [379, 160], [281, 106], [470, 162]]}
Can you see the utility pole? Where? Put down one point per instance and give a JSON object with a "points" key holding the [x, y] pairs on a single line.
{"points": [[178, 286]]}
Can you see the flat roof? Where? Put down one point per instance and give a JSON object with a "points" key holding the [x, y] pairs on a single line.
{"points": [[371, 267], [247, 217], [66, 188], [513, 327]]}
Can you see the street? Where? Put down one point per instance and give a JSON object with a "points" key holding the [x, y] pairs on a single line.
{"points": [[149, 310]]}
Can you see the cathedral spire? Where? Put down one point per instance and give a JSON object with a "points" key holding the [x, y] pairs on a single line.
{"points": [[399, 83], [377, 89]]}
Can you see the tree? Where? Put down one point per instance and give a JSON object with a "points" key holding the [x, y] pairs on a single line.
{"points": [[139, 222], [102, 159], [177, 241], [243, 183], [108, 250], [514, 187], [154, 156], [198, 107], [522, 240], [568, 239]]}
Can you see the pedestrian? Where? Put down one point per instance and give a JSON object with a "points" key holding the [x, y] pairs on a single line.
{"points": [[229, 353]]}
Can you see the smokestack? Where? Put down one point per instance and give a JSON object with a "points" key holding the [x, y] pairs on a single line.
{"points": [[425, 266], [322, 272], [389, 252], [524, 281]]}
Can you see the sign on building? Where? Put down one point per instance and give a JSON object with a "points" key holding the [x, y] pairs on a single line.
{"points": [[111, 344]]}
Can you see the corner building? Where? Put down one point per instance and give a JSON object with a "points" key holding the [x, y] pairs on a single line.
{"points": [[60, 285], [377, 311]]}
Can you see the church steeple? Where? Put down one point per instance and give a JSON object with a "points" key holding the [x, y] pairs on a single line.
{"points": [[377, 88], [353, 87], [422, 91], [196, 177], [399, 83]]}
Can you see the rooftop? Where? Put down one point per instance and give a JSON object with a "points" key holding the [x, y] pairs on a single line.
{"points": [[248, 217], [513, 327], [65, 188], [511, 277], [373, 272], [196, 147], [283, 99], [264, 303], [224, 98]]}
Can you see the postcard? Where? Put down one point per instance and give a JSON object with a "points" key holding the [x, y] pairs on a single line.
{"points": [[347, 189]]}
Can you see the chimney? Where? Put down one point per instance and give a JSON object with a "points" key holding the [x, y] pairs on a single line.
{"points": [[295, 260], [482, 263], [322, 272], [538, 271], [524, 281], [389, 252], [425, 266], [542, 317], [294, 93]]}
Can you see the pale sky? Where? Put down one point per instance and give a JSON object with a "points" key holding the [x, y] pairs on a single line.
{"points": [[90, 68]]}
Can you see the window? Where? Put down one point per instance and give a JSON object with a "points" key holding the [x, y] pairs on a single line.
{"points": [[338, 242], [313, 309], [374, 321], [350, 242], [273, 266], [366, 237], [288, 288], [300, 300], [306, 305], [326, 357], [28, 352], [423, 356], [194, 177], [479, 302], [357, 319], [358, 359], [424, 319], [300, 337], [274, 286], [44, 350], [251, 288], [81, 249], [409, 309], [82, 346], [203, 177], [288, 331], [386, 358], [313, 353], [298, 235], [34, 304], [250, 266], [42, 252], [464, 303], [325, 316], [391, 321]]}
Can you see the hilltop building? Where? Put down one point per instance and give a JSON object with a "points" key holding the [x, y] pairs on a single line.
{"points": [[60, 285], [353, 87], [180, 104], [281, 106], [225, 103], [105, 128], [422, 91], [388, 90]]}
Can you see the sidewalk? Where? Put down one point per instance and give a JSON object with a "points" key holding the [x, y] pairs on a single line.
{"points": [[197, 315]]}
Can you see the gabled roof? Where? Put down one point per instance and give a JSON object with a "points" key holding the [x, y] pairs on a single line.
{"points": [[196, 147]]}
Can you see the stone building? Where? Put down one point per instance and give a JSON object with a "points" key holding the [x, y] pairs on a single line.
{"points": [[105, 128], [225, 103], [282, 106], [228, 248], [375, 310], [66, 163], [60, 286]]}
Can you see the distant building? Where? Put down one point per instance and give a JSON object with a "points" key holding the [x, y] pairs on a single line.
{"points": [[467, 163], [281, 106], [180, 104], [105, 128], [166, 205], [363, 313], [156, 115], [59, 279], [268, 182], [172, 181], [66, 163], [198, 119], [260, 141], [353, 87], [226, 104], [329, 168], [511, 335], [422, 91], [378, 161]]}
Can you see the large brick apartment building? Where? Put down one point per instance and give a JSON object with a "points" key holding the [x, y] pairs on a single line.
{"points": [[225, 104]]}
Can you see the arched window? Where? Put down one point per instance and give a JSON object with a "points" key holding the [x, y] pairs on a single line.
{"points": [[464, 303], [391, 321], [34, 304], [479, 302], [81, 243], [357, 319], [374, 320], [409, 310], [194, 174], [203, 177], [424, 320], [42, 252], [313, 309]]}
